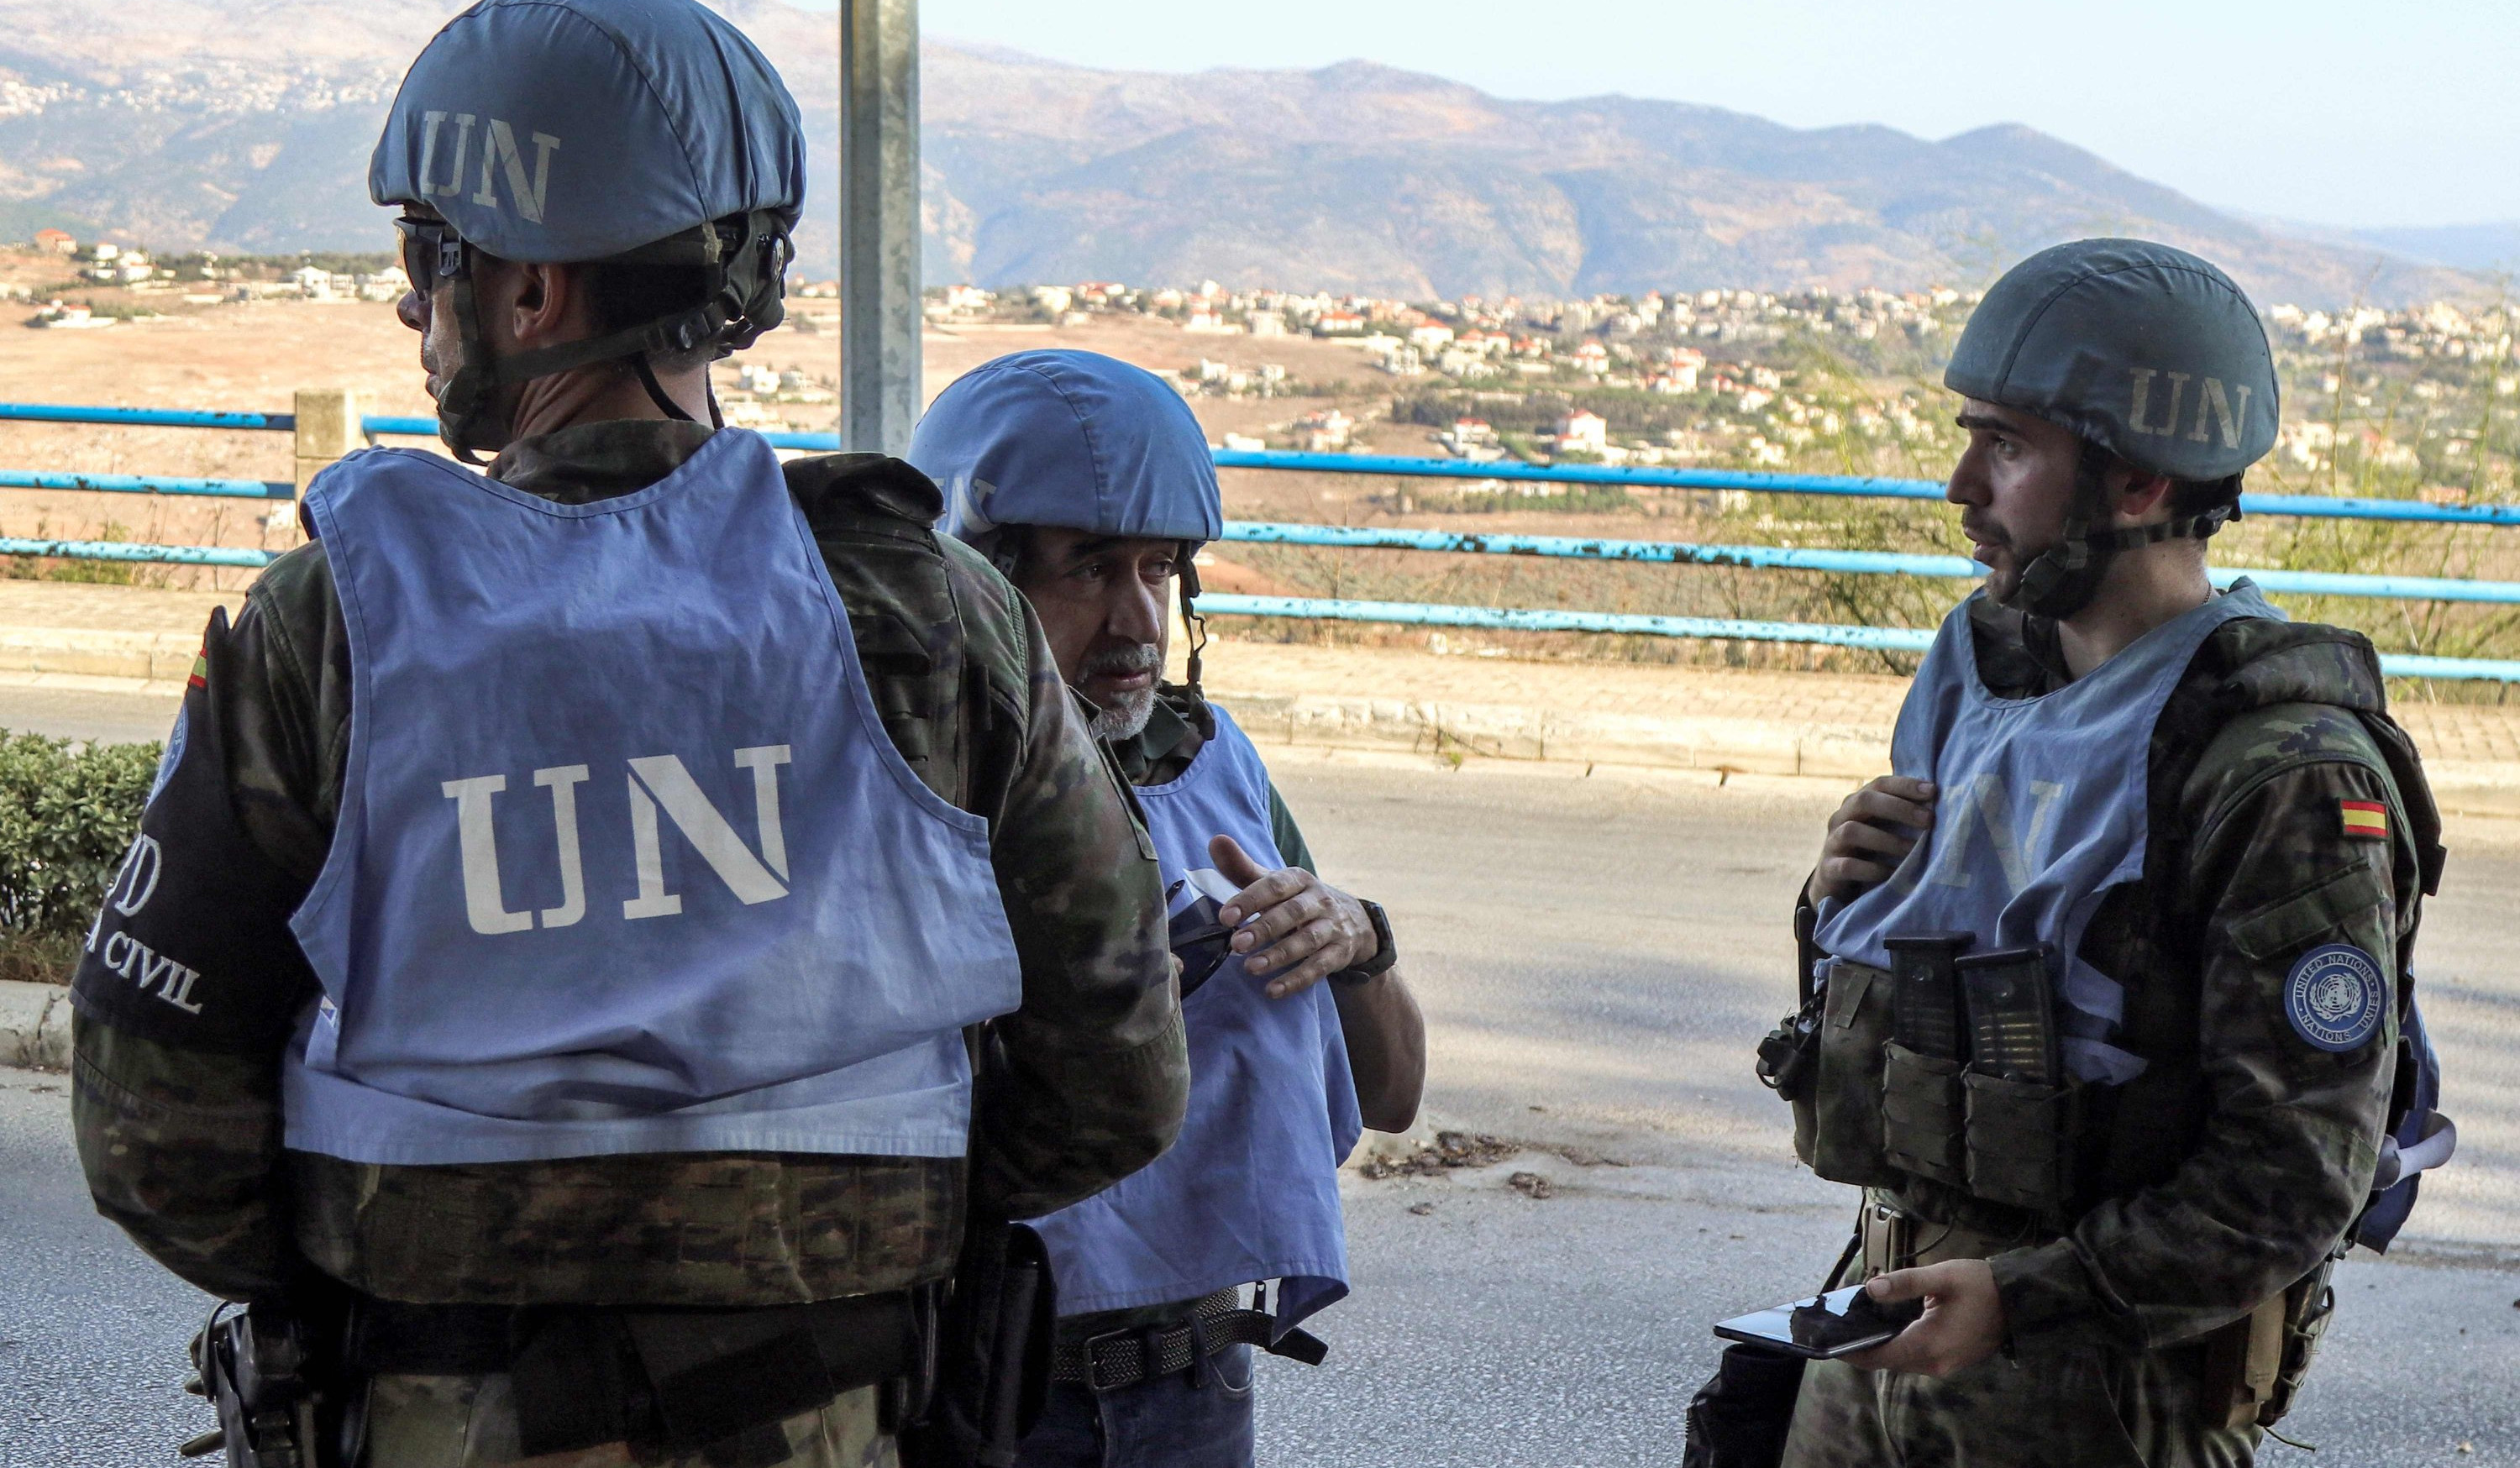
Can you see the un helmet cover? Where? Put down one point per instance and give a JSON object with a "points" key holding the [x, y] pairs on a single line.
{"points": [[2143, 348], [1072, 439], [563, 131]]}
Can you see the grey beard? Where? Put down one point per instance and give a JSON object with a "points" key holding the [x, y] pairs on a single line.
{"points": [[1127, 721], [1129, 718]]}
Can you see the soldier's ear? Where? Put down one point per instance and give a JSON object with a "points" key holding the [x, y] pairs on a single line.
{"points": [[545, 300], [2139, 497]]}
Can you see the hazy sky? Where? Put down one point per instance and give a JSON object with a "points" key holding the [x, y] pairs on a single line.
{"points": [[2363, 114]]}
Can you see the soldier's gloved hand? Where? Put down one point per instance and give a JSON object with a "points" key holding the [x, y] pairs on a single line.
{"points": [[1869, 835], [1299, 926], [1962, 1324]]}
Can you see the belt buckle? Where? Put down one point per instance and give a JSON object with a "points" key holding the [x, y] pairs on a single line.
{"points": [[1094, 1381]]}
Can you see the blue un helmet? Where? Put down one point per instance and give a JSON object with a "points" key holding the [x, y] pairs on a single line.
{"points": [[1077, 440], [2144, 351], [646, 132]]}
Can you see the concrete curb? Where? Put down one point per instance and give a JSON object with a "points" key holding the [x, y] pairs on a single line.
{"points": [[34, 1025], [1708, 742], [98, 654], [1507, 731], [142, 641]]}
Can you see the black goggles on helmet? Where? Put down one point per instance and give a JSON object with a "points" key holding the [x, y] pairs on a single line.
{"points": [[432, 252]]}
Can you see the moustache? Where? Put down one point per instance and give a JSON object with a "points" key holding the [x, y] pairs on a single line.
{"points": [[1142, 658]]}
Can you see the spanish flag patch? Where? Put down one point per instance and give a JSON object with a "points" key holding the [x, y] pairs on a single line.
{"points": [[200, 677], [2367, 820]]}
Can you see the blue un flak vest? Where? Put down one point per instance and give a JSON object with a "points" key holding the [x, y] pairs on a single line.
{"points": [[2041, 809], [625, 861], [1249, 1191]]}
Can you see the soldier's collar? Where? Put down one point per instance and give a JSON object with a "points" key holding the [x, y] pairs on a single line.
{"points": [[588, 461]]}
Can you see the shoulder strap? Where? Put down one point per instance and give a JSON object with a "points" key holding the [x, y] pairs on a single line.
{"points": [[2415, 794], [2415, 1081], [870, 518], [2222, 686]]}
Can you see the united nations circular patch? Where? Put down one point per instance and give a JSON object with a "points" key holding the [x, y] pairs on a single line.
{"points": [[2334, 997]]}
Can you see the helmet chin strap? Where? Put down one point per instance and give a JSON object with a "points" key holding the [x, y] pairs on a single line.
{"points": [[1196, 624], [2062, 579], [468, 418], [656, 391]]}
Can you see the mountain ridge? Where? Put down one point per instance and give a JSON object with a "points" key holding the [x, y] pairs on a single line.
{"points": [[1043, 179], [246, 125]]}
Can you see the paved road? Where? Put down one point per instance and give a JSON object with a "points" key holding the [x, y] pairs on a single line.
{"points": [[1595, 956], [83, 708]]}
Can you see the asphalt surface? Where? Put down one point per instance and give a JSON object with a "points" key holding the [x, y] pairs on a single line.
{"points": [[82, 713], [1596, 955]]}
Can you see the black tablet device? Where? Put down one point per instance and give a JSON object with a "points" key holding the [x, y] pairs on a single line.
{"points": [[1824, 1327]]}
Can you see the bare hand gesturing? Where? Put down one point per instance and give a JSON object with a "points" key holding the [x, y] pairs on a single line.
{"points": [[1300, 930], [1869, 835]]}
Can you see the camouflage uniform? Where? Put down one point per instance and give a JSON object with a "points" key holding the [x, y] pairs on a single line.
{"points": [[2232, 1168], [468, 1422], [177, 1113]]}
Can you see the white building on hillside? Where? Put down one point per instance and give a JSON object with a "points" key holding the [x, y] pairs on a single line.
{"points": [[1583, 432]]}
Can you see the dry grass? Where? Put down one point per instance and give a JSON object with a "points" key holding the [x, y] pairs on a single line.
{"points": [[36, 958]]}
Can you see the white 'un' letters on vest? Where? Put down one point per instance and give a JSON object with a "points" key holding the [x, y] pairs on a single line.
{"points": [[656, 782], [1986, 802]]}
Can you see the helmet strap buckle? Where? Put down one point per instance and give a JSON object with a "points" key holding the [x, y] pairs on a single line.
{"points": [[1192, 622]]}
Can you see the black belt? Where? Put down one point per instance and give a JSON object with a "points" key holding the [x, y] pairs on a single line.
{"points": [[683, 1379], [1134, 1353]]}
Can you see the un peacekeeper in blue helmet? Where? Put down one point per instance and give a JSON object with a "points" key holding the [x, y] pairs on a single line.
{"points": [[1090, 483], [505, 171], [2156, 363], [2107, 1004], [577, 1024]]}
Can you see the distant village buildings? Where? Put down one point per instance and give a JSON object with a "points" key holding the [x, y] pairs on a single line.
{"points": [[1583, 432], [1661, 378]]}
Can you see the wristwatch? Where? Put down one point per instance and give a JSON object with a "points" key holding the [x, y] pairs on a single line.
{"points": [[1383, 954]]}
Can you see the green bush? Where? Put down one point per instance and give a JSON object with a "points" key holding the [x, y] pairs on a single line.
{"points": [[66, 814]]}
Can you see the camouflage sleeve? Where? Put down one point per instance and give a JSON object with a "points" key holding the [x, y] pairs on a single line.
{"points": [[1289, 836], [182, 1150], [188, 989], [1086, 1083], [2280, 869]]}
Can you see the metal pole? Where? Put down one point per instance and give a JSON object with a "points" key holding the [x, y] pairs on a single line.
{"points": [[879, 234]]}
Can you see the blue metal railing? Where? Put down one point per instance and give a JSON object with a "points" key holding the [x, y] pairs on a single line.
{"points": [[116, 550], [387, 426], [1859, 562], [144, 418], [1876, 563], [2316, 507], [150, 484], [1873, 638], [375, 426], [1672, 552], [1514, 619]]}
